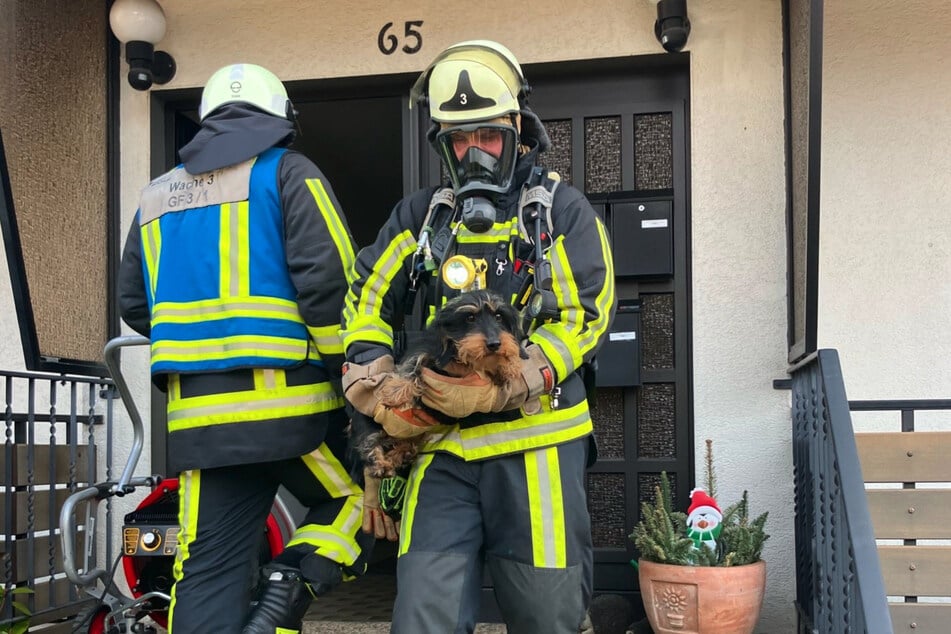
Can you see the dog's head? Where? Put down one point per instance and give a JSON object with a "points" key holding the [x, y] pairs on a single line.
{"points": [[480, 330]]}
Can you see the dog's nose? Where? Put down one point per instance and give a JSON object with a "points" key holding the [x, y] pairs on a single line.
{"points": [[493, 344]]}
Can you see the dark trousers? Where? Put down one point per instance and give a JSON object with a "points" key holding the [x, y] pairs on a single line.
{"points": [[222, 514], [523, 517]]}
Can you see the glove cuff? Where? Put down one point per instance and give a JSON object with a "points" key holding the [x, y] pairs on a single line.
{"points": [[537, 371], [353, 372]]}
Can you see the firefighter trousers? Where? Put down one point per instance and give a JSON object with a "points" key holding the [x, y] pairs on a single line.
{"points": [[522, 517], [222, 515]]}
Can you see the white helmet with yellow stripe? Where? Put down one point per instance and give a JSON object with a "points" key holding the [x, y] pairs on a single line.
{"points": [[476, 80], [245, 83]]}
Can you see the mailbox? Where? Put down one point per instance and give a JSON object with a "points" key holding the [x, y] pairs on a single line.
{"points": [[642, 236], [619, 359]]}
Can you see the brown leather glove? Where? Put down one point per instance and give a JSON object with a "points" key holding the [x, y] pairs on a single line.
{"points": [[362, 385], [375, 521], [360, 382], [459, 397]]}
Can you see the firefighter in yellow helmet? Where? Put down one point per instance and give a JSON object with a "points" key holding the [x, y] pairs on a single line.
{"points": [[499, 483], [235, 268]]}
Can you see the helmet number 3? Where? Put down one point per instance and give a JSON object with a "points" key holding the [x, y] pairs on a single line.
{"points": [[412, 38], [463, 98]]}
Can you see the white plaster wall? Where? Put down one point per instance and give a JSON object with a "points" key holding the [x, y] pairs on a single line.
{"points": [[884, 292], [737, 181]]}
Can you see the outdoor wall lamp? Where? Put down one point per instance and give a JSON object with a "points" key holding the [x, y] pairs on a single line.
{"points": [[140, 25], [672, 26]]}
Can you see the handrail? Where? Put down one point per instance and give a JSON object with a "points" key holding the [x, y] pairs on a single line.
{"points": [[138, 429], [839, 585]]}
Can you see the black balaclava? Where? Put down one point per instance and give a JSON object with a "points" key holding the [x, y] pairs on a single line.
{"points": [[234, 133]]}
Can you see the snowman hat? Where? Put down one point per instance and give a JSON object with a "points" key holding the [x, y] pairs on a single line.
{"points": [[700, 502]]}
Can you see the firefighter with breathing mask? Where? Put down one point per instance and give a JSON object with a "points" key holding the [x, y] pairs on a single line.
{"points": [[235, 267], [502, 485]]}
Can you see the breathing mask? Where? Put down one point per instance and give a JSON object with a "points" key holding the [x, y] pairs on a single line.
{"points": [[481, 160]]}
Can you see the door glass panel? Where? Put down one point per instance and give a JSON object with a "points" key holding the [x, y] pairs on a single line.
{"points": [[607, 414], [602, 155], [656, 429], [558, 156], [657, 331], [606, 504], [653, 156]]}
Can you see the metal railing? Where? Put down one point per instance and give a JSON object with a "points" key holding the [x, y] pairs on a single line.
{"points": [[56, 428], [839, 588]]}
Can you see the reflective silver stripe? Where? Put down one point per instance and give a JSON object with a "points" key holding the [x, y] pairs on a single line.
{"points": [[182, 349], [222, 309], [324, 538], [544, 508]]}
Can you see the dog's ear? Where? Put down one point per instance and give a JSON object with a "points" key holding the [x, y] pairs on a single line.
{"points": [[448, 354]]}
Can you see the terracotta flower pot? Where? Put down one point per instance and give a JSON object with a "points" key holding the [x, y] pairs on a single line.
{"points": [[702, 599]]}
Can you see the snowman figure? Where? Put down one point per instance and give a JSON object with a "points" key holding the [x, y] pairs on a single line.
{"points": [[703, 519]]}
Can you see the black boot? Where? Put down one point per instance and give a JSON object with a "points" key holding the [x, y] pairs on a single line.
{"points": [[282, 604]]}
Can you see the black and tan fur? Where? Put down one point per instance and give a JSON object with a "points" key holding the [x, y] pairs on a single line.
{"points": [[477, 331]]}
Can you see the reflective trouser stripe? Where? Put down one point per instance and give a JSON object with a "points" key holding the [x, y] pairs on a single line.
{"points": [[330, 473], [337, 541], [189, 490], [409, 502], [249, 405], [543, 478]]}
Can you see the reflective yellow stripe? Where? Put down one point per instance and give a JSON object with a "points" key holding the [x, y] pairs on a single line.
{"points": [[327, 338], [604, 300], [500, 232], [551, 338], [152, 249], [225, 308], [251, 405], [229, 348], [337, 231], [330, 473], [241, 281], [565, 288], [234, 253], [189, 490], [409, 502], [329, 541], [546, 509], [362, 314], [496, 439], [174, 387]]}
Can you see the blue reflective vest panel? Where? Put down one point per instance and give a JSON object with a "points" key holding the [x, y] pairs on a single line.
{"points": [[219, 292]]}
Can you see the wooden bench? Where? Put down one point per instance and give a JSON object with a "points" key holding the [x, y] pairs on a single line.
{"points": [[910, 514]]}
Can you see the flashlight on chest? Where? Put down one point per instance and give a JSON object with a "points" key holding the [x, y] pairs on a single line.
{"points": [[464, 274]]}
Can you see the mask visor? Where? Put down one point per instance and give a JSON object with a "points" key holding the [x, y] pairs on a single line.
{"points": [[479, 157]]}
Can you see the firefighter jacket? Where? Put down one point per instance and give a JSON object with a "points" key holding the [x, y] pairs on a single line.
{"points": [[237, 276], [583, 285]]}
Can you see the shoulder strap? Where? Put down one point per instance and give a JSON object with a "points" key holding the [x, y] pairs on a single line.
{"points": [[541, 193]]}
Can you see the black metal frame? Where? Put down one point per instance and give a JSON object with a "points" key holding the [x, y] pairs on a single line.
{"points": [[804, 342], [839, 585]]}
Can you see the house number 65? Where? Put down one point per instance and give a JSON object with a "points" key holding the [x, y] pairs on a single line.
{"points": [[388, 43]]}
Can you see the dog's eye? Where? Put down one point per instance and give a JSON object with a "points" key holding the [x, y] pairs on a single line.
{"points": [[498, 317], [470, 318]]}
